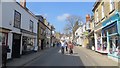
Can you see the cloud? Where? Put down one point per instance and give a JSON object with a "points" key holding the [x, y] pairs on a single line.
{"points": [[63, 17]]}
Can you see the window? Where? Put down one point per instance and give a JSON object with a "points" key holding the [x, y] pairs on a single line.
{"points": [[3, 39], [17, 19], [112, 5], [103, 10], [97, 15], [112, 30], [31, 25], [42, 31]]}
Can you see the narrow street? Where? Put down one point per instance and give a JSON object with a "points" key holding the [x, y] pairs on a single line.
{"points": [[81, 57]]}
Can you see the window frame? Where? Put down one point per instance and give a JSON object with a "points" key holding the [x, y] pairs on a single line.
{"points": [[97, 19], [112, 5], [31, 25], [103, 9], [18, 20]]}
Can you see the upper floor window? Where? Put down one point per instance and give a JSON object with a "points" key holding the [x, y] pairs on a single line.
{"points": [[103, 9], [112, 5], [17, 19], [42, 31], [97, 16], [31, 25]]}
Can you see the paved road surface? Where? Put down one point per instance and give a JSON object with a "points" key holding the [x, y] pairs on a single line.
{"points": [[81, 57]]}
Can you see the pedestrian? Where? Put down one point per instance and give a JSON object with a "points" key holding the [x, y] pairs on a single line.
{"points": [[70, 47], [62, 46], [66, 45], [5, 49]]}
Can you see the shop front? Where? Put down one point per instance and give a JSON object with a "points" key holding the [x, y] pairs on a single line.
{"points": [[4, 42], [98, 39], [111, 34], [27, 45], [28, 42]]}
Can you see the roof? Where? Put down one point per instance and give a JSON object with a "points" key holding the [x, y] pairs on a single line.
{"points": [[96, 4]]}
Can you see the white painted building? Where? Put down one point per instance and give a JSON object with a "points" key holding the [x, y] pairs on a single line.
{"points": [[18, 24], [78, 35]]}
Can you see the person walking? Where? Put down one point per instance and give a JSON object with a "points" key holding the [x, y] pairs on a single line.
{"points": [[70, 47], [5, 49], [66, 45], [62, 46]]}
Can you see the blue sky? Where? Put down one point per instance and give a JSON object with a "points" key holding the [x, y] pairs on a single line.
{"points": [[56, 12]]}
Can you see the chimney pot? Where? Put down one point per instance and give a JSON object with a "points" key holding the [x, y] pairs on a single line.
{"points": [[87, 17], [23, 3]]}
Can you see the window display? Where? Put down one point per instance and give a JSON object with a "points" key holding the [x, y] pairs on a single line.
{"points": [[3, 39]]}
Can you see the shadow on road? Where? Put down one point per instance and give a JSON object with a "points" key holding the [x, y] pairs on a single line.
{"points": [[53, 58]]}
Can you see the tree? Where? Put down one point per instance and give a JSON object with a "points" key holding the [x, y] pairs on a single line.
{"points": [[73, 23]]}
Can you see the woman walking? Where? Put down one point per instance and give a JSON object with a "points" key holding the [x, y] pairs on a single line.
{"points": [[70, 47]]}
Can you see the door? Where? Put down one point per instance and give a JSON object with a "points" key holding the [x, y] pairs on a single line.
{"points": [[16, 45], [42, 44]]}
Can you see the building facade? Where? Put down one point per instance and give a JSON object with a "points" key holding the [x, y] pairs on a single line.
{"points": [[90, 36], [14, 30], [41, 32], [107, 27], [48, 33], [78, 35]]}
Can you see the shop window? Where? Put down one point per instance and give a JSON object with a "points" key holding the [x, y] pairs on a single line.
{"points": [[104, 33], [112, 29], [17, 19], [3, 39], [104, 43]]}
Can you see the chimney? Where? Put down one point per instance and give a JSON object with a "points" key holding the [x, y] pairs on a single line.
{"points": [[23, 3], [87, 17]]}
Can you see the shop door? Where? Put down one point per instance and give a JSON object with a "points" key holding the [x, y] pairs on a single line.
{"points": [[42, 44], [16, 46]]}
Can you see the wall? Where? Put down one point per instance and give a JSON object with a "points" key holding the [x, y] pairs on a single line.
{"points": [[8, 9]]}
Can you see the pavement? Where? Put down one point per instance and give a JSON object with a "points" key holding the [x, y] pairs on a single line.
{"points": [[25, 58], [53, 57]]}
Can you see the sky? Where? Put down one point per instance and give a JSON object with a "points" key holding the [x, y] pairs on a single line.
{"points": [[56, 12]]}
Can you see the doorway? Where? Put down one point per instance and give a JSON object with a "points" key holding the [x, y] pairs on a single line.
{"points": [[16, 45], [42, 44]]}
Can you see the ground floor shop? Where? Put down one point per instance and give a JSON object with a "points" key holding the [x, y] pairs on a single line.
{"points": [[100, 40], [91, 44], [111, 33], [6, 41], [29, 42]]}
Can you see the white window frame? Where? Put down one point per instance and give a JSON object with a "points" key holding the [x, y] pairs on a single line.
{"points": [[17, 19], [103, 9], [97, 16], [31, 25], [112, 5]]}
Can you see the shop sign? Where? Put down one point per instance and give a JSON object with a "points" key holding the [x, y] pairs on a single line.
{"points": [[110, 20]]}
